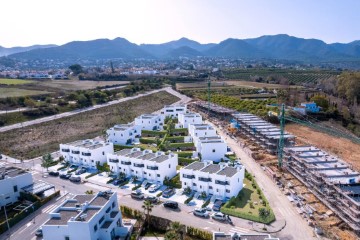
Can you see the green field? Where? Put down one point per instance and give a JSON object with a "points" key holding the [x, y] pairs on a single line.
{"points": [[17, 92], [297, 77], [8, 81]]}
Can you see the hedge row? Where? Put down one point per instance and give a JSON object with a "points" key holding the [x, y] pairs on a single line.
{"points": [[177, 139], [147, 141], [185, 161], [150, 133], [91, 175], [184, 154], [181, 145], [189, 199]]}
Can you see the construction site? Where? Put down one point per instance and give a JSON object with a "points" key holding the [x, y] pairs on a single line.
{"points": [[324, 188]]}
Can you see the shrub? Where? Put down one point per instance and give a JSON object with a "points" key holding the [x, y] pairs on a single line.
{"points": [[147, 141], [159, 194], [206, 203], [185, 161], [136, 187], [189, 199], [91, 175], [61, 168], [184, 154]]}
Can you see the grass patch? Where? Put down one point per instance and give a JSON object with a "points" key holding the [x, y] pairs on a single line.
{"points": [[247, 204], [18, 92], [7, 81], [174, 182]]}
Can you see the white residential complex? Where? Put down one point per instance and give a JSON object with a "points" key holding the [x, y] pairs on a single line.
{"points": [[219, 180], [150, 122], [86, 152], [89, 217], [123, 134], [202, 130], [144, 164], [173, 110], [12, 180], [185, 119]]}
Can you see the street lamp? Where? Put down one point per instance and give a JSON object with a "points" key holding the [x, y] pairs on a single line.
{"points": [[7, 220]]}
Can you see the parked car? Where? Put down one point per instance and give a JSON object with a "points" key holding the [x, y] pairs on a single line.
{"points": [[171, 204], [154, 188], [75, 179], [217, 205], [219, 216], [39, 232], [73, 166], [80, 171], [147, 185], [168, 192], [151, 199], [54, 173], [118, 181], [65, 176], [201, 212], [137, 194]]}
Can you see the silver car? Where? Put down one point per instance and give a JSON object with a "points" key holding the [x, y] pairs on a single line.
{"points": [[201, 212], [219, 216]]}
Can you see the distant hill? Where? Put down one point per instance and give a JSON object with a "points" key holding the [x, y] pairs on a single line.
{"points": [[8, 51], [282, 47]]}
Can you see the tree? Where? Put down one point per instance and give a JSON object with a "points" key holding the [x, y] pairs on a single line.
{"points": [[83, 101], [76, 69], [170, 127], [89, 192], [147, 206], [203, 195], [46, 161], [321, 101], [28, 102], [121, 176], [264, 214], [348, 86], [178, 229], [187, 190], [170, 235]]}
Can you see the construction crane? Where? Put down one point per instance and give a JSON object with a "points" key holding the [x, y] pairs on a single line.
{"points": [[330, 131]]}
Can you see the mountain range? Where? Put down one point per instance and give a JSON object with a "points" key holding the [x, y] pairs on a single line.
{"points": [[282, 47]]}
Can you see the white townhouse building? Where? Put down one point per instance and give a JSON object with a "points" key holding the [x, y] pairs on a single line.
{"points": [[173, 110], [90, 217], [219, 180], [144, 164], [12, 180], [185, 119], [123, 134], [201, 130], [150, 122], [211, 148], [86, 152]]}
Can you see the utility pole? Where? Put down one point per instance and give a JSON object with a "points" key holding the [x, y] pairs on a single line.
{"points": [[281, 140]]}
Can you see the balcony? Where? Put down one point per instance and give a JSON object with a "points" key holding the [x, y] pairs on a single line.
{"points": [[113, 214], [75, 152], [204, 179], [86, 154], [125, 163], [114, 160], [188, 176], [65, 150], [152, 167], [141, 165], [221, 182]]}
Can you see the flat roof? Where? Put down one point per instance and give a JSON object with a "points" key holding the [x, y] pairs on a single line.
{"points": [[147, 156], [160, 158], [228, 171], [195, 166], [38, 187], [135, 154], [99, 201], [212, 168], [65, 216], [123, 152]]}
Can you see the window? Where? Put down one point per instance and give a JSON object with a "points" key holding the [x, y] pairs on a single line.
{"points": [[108, 210], [213, 150], [210, 187], [103, 153], [227, 190], [169, 165], [158, 175], [15, 188], [200, 187], [67, 238], [194, 184], [101, 219], [95, 228], [113, 204], [185, 183], [217, 190]]}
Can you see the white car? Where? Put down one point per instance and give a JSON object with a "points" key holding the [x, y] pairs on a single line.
{"points": [[154, 188], [218, 216], [201, 212]]}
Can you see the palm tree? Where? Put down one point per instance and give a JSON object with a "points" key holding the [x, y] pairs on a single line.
{"points": [[147, 206], [178, 229], [46, 161], [170, 235], [90, 192]]}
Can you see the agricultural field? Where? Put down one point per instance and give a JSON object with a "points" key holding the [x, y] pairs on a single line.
{"points": [[35, 140], [297, 77], [77, 84], [18, 92], [8, 81]]}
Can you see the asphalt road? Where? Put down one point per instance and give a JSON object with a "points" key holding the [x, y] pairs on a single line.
{"points": [[296, 226], [183, 99]]}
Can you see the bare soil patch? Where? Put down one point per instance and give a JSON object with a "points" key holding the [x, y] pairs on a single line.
{"points": [[35, 140]]}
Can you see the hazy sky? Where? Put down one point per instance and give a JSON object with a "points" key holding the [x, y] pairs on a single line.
{"points": [[28, 22]]}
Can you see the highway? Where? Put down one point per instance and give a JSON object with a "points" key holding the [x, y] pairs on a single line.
{"points": [[183, 99]]}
